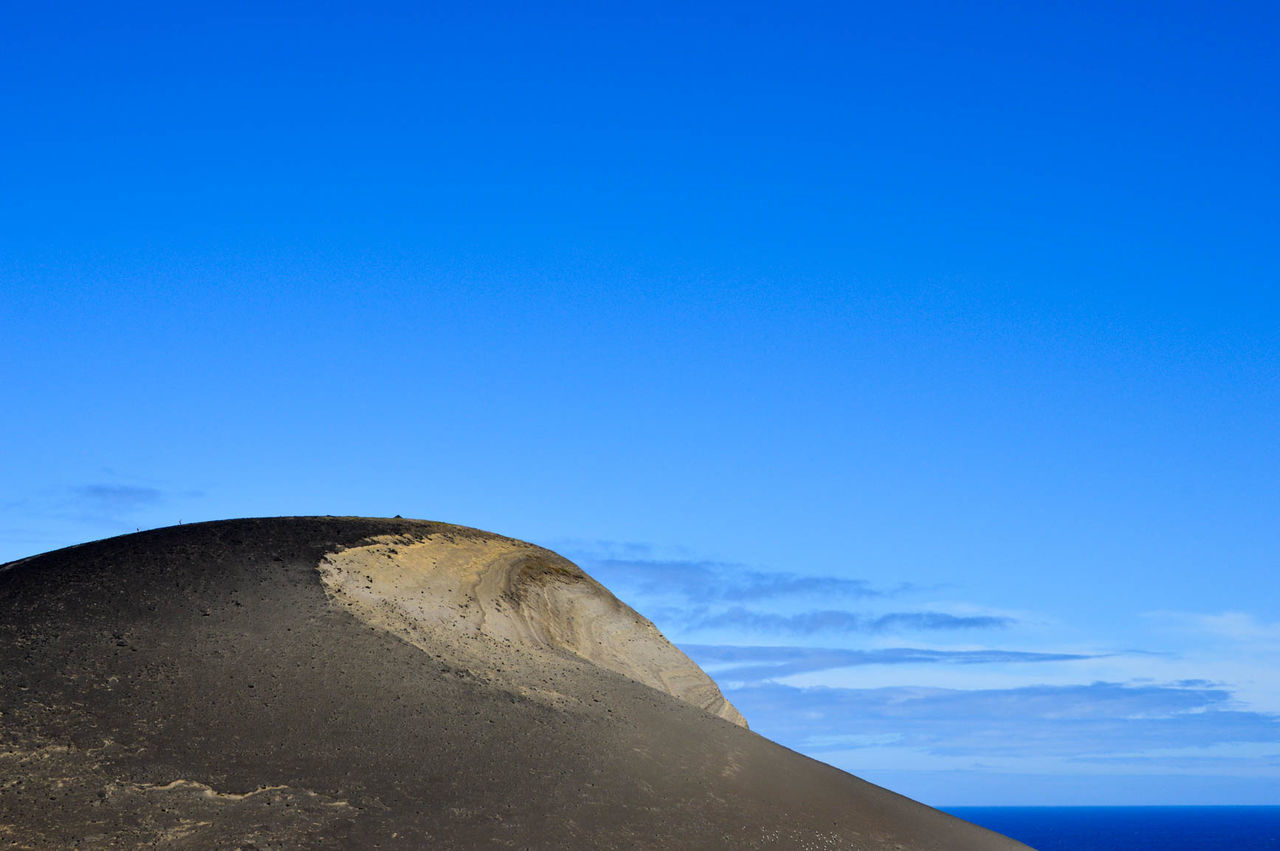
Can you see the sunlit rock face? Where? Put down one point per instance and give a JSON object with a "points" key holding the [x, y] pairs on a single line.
{"points": [[514, 597], [326, 682]]}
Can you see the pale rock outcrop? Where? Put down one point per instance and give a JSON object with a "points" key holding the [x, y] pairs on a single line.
{"points": [[507, 591]]}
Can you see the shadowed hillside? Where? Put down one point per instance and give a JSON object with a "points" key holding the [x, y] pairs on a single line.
{"points": [[348, 682]]}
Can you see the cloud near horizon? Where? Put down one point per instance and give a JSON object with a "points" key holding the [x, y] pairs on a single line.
{"points": [[1088, 723], [836, 621], [1234, 626], [753, 664], [723, 614]]}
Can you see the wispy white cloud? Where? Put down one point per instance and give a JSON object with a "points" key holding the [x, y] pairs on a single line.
{"points": [[1242, 627], [755, 664], [707, 581], [1084, 723], [698, 596], [1205, 704], [836, 621]]}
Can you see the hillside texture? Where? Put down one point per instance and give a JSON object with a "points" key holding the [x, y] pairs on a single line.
{"points": [[346, 682]]}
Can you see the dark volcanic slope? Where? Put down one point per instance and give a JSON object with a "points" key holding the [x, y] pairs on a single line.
{"points": [[206, 686]]}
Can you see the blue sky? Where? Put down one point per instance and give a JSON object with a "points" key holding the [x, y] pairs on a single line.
{"points": [[915, 368]]}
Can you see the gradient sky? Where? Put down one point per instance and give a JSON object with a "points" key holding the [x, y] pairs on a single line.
{"points": [[916, 367]]}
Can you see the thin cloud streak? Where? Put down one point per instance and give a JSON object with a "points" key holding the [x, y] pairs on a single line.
{"points": [[836, 621], [119, 497], [704, 580], [1077, 722], [1235, 626], [750, 664], [689, 595]]}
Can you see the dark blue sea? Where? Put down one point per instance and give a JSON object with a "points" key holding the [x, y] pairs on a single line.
{"points": [[1132, 828]]}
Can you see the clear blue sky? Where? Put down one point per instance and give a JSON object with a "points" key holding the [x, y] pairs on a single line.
{"points": [[915, 366]]}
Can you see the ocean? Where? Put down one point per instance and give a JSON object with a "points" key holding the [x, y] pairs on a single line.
{"points": [[1132, 828]]}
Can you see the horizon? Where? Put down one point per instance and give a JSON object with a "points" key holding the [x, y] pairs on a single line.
{"points": [[915, 370]]}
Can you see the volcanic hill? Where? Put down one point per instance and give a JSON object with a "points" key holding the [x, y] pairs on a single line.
{"points": [[329, 682]]}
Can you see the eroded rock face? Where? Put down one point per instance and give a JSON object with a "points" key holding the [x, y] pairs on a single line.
{"points": [[511, 593]]}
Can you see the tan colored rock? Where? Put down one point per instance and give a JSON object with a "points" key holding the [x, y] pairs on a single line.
{"points": [[511, 592]]}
